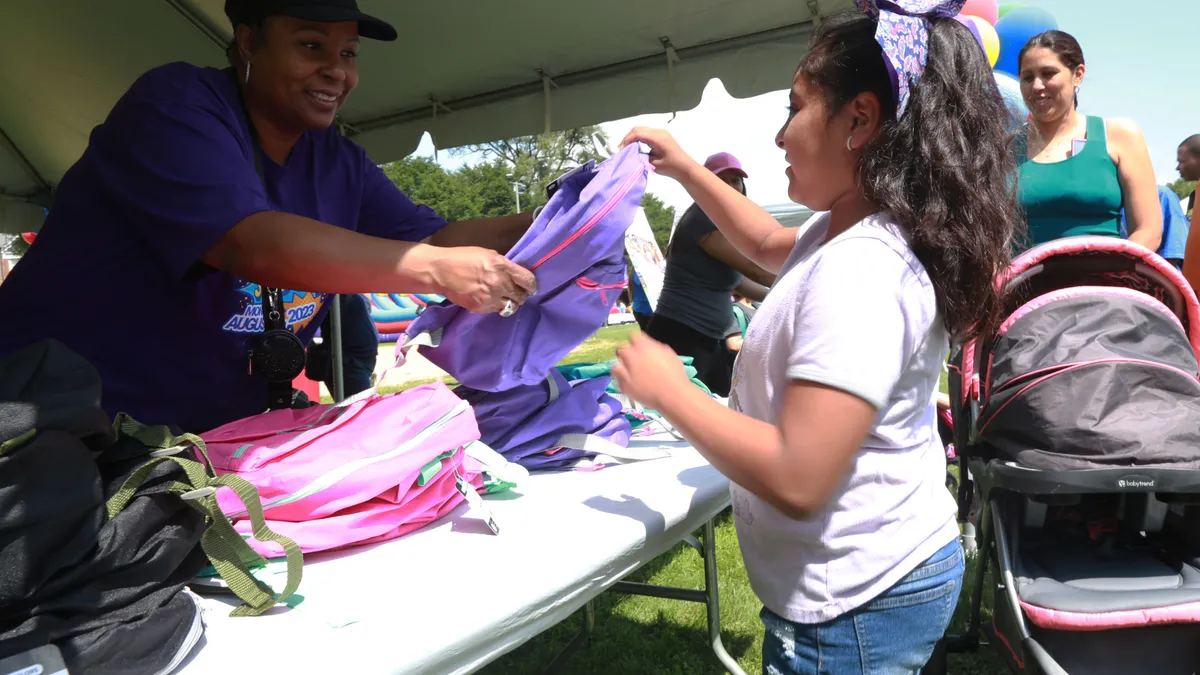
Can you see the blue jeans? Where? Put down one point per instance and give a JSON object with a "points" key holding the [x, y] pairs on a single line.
{"points": [[893, 634]]}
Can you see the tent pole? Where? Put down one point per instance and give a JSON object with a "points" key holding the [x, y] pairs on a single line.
{"points": [[200, 23], [8, 142], [335, 340], [814, 8]]}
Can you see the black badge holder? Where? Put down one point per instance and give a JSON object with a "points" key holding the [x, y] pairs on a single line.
{"points": [[278, 354], [586, 166], [557, 182]]}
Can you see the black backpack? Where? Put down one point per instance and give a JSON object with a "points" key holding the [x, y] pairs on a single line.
{"points": [[103, 524]]}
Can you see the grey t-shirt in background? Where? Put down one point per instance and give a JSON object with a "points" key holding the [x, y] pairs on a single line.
{"points": [[735, 328], [697, 287]]}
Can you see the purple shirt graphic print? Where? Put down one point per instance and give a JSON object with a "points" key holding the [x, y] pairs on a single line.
{"points": [[299, 309], [116, 273]]}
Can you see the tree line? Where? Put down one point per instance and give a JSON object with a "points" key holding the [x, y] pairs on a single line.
{"points": [[512, 170]]}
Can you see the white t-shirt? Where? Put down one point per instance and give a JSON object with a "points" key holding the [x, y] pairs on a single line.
{"points": [[859, 314]]}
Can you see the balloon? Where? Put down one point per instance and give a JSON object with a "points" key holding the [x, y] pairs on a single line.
{"points": [[984, 9], [1015, 29], [1010, 92], [1007, 7], [29, 237], [966, 21], [988, 38]]}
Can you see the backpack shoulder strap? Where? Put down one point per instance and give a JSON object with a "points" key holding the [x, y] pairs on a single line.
{"points": [[603, 446], [740, 315], [228, 552]]}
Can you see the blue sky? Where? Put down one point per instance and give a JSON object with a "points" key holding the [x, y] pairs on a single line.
{"points": [[1143, 63]]}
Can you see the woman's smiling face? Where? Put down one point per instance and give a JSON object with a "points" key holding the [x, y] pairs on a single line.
{"points": [[303, 71], [1048, 85]]}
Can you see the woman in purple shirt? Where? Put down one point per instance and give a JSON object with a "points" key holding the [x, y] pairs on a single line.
{"points": [[202, 189]]}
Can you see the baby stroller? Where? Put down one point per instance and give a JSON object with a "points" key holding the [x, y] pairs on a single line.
{"points": [[1077, 428]]}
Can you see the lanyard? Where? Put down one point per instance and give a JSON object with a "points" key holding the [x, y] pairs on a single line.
{"points": [[278, 354], [273, 315]]}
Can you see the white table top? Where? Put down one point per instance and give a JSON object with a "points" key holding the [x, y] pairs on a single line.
{"points": [[452, 597]]}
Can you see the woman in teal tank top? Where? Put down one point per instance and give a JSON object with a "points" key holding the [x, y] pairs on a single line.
{"points": [[1076, 171]]}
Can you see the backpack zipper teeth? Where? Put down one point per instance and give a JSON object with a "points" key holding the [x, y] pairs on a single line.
{"points": [[604, 210], [332, 478]]}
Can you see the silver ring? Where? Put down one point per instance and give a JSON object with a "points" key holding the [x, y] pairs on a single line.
{"points": [[510, 308]]}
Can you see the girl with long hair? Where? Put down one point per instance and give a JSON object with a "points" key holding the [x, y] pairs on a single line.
{"points": [[895, 133]]}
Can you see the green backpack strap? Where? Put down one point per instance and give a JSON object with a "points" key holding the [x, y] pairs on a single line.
{"points": [[740, 315], [229, 553], [16, 442]]}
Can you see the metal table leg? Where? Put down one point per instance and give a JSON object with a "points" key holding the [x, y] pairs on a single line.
{"points": [[713, 600], [577, 643], [709, 595]]}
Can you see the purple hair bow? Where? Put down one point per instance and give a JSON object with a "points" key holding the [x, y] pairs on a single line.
{"points": [[903, 33]]}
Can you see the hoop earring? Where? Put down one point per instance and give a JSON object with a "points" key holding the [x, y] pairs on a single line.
{"points": [[247, 80], [848, 146]]}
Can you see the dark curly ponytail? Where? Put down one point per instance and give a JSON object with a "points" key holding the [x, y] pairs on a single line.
{"points": [[945, 170]]}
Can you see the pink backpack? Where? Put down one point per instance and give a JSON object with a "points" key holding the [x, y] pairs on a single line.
{"points": [[371, 468]]}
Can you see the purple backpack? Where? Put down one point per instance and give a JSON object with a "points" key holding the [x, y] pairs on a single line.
{"points": [[575, 249], [556, 424]]}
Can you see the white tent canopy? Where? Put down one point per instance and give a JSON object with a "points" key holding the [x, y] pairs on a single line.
{"points": [[466, 71]]}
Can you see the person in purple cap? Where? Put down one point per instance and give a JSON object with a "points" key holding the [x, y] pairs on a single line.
{"points": [[695, 312], [830, 439], [214, 204]]}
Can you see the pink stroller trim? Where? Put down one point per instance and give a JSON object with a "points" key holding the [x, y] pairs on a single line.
{"points": [[1054, 619]]}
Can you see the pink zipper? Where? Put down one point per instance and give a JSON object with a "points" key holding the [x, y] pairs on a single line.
{"points": [[1067, 368], [586, 283], [1024, 377], [608, 206], [1066, 294]]}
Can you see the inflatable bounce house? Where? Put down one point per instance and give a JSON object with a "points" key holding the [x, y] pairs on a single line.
{"points": [[393, 312]]}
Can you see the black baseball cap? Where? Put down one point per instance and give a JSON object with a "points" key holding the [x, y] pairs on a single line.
{"points": [[324, 11]]}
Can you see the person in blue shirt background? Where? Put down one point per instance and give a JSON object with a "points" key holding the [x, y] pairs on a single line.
{"points": [[642, 311], [360, 348], [1175, 227]]}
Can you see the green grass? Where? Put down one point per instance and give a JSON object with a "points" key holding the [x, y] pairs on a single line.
{"points": [[603, 345], [652, 636], [393, 388]]}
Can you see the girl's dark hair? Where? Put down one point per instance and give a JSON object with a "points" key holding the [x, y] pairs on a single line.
{"points": [[944, 170], [1064, 45]]}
